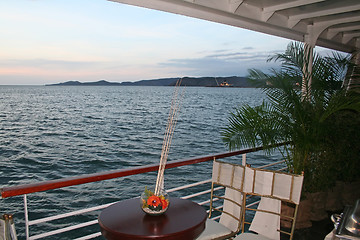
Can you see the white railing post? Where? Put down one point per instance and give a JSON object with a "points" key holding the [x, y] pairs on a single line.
{"points": [[26, 218], [72, 227]]}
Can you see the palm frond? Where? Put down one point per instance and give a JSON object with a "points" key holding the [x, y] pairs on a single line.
{"points": [[285, 116], [253, 126]]}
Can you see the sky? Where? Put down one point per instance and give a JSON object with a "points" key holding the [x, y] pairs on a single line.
{"points": [[52, 41]]}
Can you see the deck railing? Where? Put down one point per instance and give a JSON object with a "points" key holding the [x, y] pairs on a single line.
{"points": [[72, 181]]}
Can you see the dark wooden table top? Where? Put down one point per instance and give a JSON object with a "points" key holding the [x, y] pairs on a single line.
{"points": [[125, 220]]}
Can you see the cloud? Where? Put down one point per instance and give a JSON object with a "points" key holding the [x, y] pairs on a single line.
{"points": [[47, 63], [220, 63], [39, 71], [248, 56], [202, 67], [248, 48]]}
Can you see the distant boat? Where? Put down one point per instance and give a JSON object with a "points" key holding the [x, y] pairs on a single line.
{"points": [[225, 84]]}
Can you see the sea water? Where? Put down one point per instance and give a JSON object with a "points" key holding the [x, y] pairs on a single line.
{"points": [[52, 132]]}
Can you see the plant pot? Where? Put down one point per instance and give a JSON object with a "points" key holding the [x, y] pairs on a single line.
{"points": [[318, 201], [333, 201], [154, 204], [303, 215], [351, 192]]}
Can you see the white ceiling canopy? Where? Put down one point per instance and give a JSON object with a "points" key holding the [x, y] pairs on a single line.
{"points": [[333, 24]]}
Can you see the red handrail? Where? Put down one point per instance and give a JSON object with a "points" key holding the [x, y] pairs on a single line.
{"points": [[77, 180]]}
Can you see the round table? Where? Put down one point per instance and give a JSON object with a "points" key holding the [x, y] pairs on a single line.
{"points": [[125, 220]]}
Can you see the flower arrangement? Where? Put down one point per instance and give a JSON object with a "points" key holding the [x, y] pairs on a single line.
{"points": [[172, 120], [154, 204], [157, 202]]}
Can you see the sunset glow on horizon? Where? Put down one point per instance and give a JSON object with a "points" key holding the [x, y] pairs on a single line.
{"points": [[51, 41]]}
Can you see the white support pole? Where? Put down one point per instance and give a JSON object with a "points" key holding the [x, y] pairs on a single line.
{"points": [[26, 218], [244, 159], [354, 79], [307, 71], [309, 44]]}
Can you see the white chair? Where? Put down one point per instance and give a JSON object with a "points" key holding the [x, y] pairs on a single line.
{"points": [[231, 177], [274, 189]]}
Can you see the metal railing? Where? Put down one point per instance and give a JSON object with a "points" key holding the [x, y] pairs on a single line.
{"points": [[65, 182]]}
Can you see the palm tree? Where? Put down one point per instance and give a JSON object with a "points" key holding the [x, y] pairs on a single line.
{"points": [[286, 116]]}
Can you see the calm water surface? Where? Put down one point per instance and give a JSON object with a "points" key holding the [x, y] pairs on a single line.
{"points": [[48, 133]]}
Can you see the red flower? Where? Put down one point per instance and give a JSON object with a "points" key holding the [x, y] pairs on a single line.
{"points": [[164, 203], [154, 201]]}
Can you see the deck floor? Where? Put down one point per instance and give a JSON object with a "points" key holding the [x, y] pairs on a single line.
{"points": [[318, 231]]}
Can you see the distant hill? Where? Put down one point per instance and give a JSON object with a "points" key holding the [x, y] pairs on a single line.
{"points": [[193, 82], [153, 82], [187, 81], [215, 82], [77, 83]]}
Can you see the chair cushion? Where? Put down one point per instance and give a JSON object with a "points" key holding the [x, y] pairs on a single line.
{"points": [[213, 230], [251, 236]]}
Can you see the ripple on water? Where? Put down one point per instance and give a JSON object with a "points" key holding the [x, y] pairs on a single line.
{"points": [[48, 133]]}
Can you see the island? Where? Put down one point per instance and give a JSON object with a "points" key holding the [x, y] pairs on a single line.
{"points": [[233, 81], [77, 83]]}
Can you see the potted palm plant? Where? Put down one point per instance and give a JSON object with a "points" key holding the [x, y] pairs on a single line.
{"points": [[307, 123]]}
